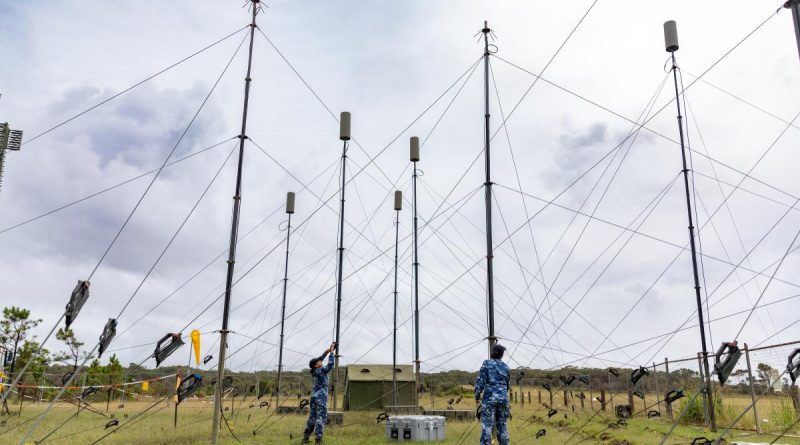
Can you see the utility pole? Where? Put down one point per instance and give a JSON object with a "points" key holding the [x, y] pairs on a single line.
{"points": [[488, 189], [344, 136], [289, 212], [398, 205], [237, 198], [671, 43], [415, 158]]}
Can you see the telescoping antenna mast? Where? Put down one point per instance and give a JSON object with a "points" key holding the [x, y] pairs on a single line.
{"points": [[289, 212], [415, 158], [398, 205], [488, 189], [671, 43], [344, 136], [237, 198]]}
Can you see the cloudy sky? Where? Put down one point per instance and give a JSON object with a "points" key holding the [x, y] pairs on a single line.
{"points": [[597, 277]]}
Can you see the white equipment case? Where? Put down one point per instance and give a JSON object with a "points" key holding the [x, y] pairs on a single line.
{"points": [[415, 428]]}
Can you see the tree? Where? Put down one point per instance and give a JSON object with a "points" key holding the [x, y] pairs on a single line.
{"points": [[39, 357], [73, 353], [14, 329], [764, 373]]}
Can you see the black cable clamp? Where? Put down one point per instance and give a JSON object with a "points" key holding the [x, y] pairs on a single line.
{"points": [[109, 332], [547, 387], [111, 423], [189, 385], [793, 368], [304, 403], [207, 359], [541, 433], [585, 379], [639, 394], [65, 378], [638, 374], [76, 301], [567, 380], [161, 353], [653, 413], [381, 417], [702, 441], [264, 404], [725, 360], [614, 372], [552, 412], [673, 395]]}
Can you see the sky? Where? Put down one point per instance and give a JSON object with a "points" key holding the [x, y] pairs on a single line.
{"points": [[591, 256]]}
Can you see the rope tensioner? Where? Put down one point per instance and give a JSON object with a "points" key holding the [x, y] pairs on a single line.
{"points": [[725, 360], [653, 413], [76, 301], [638, 374], [163, 351], [639, 394], [552, 412], [189, 385], [109, 331], [585, 379], [614, 372], [673, 395], [567, 380], [793, 368], [541, 433], [547, 387]]}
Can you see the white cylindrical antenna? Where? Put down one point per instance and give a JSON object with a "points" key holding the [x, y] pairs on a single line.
{"points": [[398, 200], [414, 149], [671, 36], [290, 203], [344, 126]]}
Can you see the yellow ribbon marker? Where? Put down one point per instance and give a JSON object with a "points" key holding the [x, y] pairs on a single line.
{"points": [[145, 386], [2, 381], [196, 345]]}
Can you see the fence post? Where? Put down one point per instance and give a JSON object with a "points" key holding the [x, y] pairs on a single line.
{"points": [[655, 383], [752, 389], [591, 399], [529, 397], [540, 396], [551, 398], [666, 371], [630, 397], [582, 407], [566, 399], [603, 399]]}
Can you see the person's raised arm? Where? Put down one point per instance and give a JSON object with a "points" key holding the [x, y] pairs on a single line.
{"points": [[329, 366]]}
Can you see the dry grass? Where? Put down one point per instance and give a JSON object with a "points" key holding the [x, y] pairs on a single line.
{"points": [[194, 422]]}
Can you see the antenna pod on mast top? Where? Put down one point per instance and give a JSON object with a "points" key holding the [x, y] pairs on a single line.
{"points": [[671, 36]]}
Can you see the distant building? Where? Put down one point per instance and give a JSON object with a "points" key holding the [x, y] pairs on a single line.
{"points": [[369, 387], [774, 378]]}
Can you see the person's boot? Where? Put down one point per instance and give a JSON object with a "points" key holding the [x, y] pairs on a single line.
{"points": [[319, 440], [306, 439]]}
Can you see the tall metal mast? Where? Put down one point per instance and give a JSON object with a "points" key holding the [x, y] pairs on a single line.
{"points": [[398, 205], [415, 158], [344, 136], [671, 43], [237, 198], [289, 212], [794, 5], [488, 188]]}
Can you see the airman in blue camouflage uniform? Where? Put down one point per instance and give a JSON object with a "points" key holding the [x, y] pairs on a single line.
{"points": [[319, 396], [493, 381]]}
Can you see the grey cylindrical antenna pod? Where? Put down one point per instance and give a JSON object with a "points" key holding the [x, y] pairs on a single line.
{"points": [[414, 149], [671, 36], [344, 126], [290, 202], [398, 200]]}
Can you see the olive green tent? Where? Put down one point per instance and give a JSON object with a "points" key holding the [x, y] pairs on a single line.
{"points": [[369, 387]]}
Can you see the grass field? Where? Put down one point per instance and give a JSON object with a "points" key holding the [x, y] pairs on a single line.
{"points": [[360, 428]]}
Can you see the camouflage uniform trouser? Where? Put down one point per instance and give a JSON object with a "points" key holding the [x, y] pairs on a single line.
{"points": [[497, 413], [317, 415]]}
